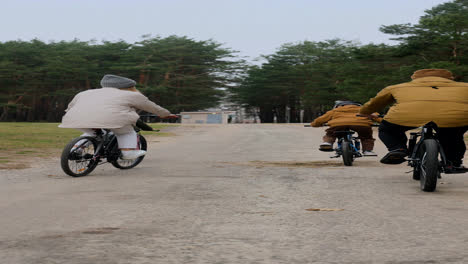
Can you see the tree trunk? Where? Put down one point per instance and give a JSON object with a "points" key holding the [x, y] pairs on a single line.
{"points": [[266, 115], [4, 115], [280, 112]]}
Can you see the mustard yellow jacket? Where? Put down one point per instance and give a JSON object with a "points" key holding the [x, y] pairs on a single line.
{"points": [[342, 116], [423, 100]]}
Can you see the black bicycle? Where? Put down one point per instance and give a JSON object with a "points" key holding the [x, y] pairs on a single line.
{"points": [[427, 157], [81, 156]]}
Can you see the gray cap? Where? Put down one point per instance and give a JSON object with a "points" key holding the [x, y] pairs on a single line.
{"points": [[115, 81]]}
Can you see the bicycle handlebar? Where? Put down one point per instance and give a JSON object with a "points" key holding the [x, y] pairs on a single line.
{"points": [[324, 125], [369, 115]]}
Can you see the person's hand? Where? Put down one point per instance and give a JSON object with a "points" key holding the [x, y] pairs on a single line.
{"points": [[171, 116], [373, 116]]}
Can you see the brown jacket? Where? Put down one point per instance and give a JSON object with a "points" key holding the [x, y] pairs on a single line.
{"points": [[342, 116], [423, 100]]}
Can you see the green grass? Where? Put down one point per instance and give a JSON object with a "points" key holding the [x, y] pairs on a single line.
{"points": [[29, 136], [159, 126], [33, 139]]}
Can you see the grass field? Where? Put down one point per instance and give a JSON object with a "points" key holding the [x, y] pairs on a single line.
{"points": [[20, 142]]}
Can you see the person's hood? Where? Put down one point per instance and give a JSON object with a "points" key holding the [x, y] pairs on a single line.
{"points": [[443, 73], [432, 79], [348, 108]]}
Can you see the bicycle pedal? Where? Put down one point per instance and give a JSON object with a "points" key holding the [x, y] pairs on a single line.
{"points": [[88, 156]]}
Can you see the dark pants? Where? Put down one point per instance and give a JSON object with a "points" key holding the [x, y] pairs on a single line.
{"points": [[364, 134], [451, 139]]}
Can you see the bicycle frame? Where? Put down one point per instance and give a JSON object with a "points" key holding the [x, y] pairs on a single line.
{"points": [[348, 137], [107, 146]]}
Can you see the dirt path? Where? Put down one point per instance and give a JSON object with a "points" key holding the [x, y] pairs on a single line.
{"points": [[233, 194]]}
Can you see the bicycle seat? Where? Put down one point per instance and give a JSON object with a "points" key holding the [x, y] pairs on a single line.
{"points": [[343, 133], [101, 131], [431, 125]]}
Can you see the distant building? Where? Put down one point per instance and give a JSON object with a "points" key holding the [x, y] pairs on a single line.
{"points": [[209, 117]]}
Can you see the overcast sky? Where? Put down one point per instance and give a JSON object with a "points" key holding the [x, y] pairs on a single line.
{"points": [[253, 27]]}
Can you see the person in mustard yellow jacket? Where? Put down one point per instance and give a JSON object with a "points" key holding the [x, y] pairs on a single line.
{"points": [[432, 95], [344, 116]]}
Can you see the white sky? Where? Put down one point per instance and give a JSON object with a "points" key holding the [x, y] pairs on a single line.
{"points": [[253, 27]]}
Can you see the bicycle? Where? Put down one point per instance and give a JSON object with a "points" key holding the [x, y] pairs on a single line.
{"points": [[83, 154], [427, 157], [348, 146]]}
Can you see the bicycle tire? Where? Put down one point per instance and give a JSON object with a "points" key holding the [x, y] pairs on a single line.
{"points": [[416, 173], [128, 164], [428, 165], [347, 154], [78, 164], [416, 170]]}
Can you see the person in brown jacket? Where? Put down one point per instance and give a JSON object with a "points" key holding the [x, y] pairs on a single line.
{"points": [[342, 117], [432, 95]]}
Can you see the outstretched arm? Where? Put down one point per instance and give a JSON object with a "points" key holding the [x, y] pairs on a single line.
{"points": [[319, 121], [382, 99], [143, 103]]}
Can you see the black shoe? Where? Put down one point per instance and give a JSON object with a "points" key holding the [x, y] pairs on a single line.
{"points": [[395, 157], [450, 169], [325, 146]]}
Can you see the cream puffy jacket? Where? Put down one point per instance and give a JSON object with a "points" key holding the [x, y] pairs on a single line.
{"points": [[108, 108], [423, 100]]}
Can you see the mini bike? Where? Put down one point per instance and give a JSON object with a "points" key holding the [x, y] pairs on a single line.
{"points": [[348, 146], [427, 157], [81, 156]]}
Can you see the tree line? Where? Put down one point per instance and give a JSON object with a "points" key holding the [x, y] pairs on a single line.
{"points": [[296, 83], [37, 79], [302, 80]]}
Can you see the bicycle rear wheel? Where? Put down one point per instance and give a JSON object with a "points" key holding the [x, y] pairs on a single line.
{"points": [[428, 166], [77, 158], [347, 154], [128, 164]]}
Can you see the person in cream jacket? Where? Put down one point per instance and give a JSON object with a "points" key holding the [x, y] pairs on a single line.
{"points": [[112, 107]]}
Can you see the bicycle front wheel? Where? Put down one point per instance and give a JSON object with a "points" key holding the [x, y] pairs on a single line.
{"points": [[347, 154], [78, 156], [128, 164], [428, 155]]}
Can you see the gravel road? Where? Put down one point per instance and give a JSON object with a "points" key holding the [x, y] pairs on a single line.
{"points": [[232, 194]]}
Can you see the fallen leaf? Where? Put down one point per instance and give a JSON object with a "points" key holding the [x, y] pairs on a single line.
{"points": [[324, 209]]}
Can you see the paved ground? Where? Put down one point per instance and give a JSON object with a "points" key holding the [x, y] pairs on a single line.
{"points": [[232, 194]]}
